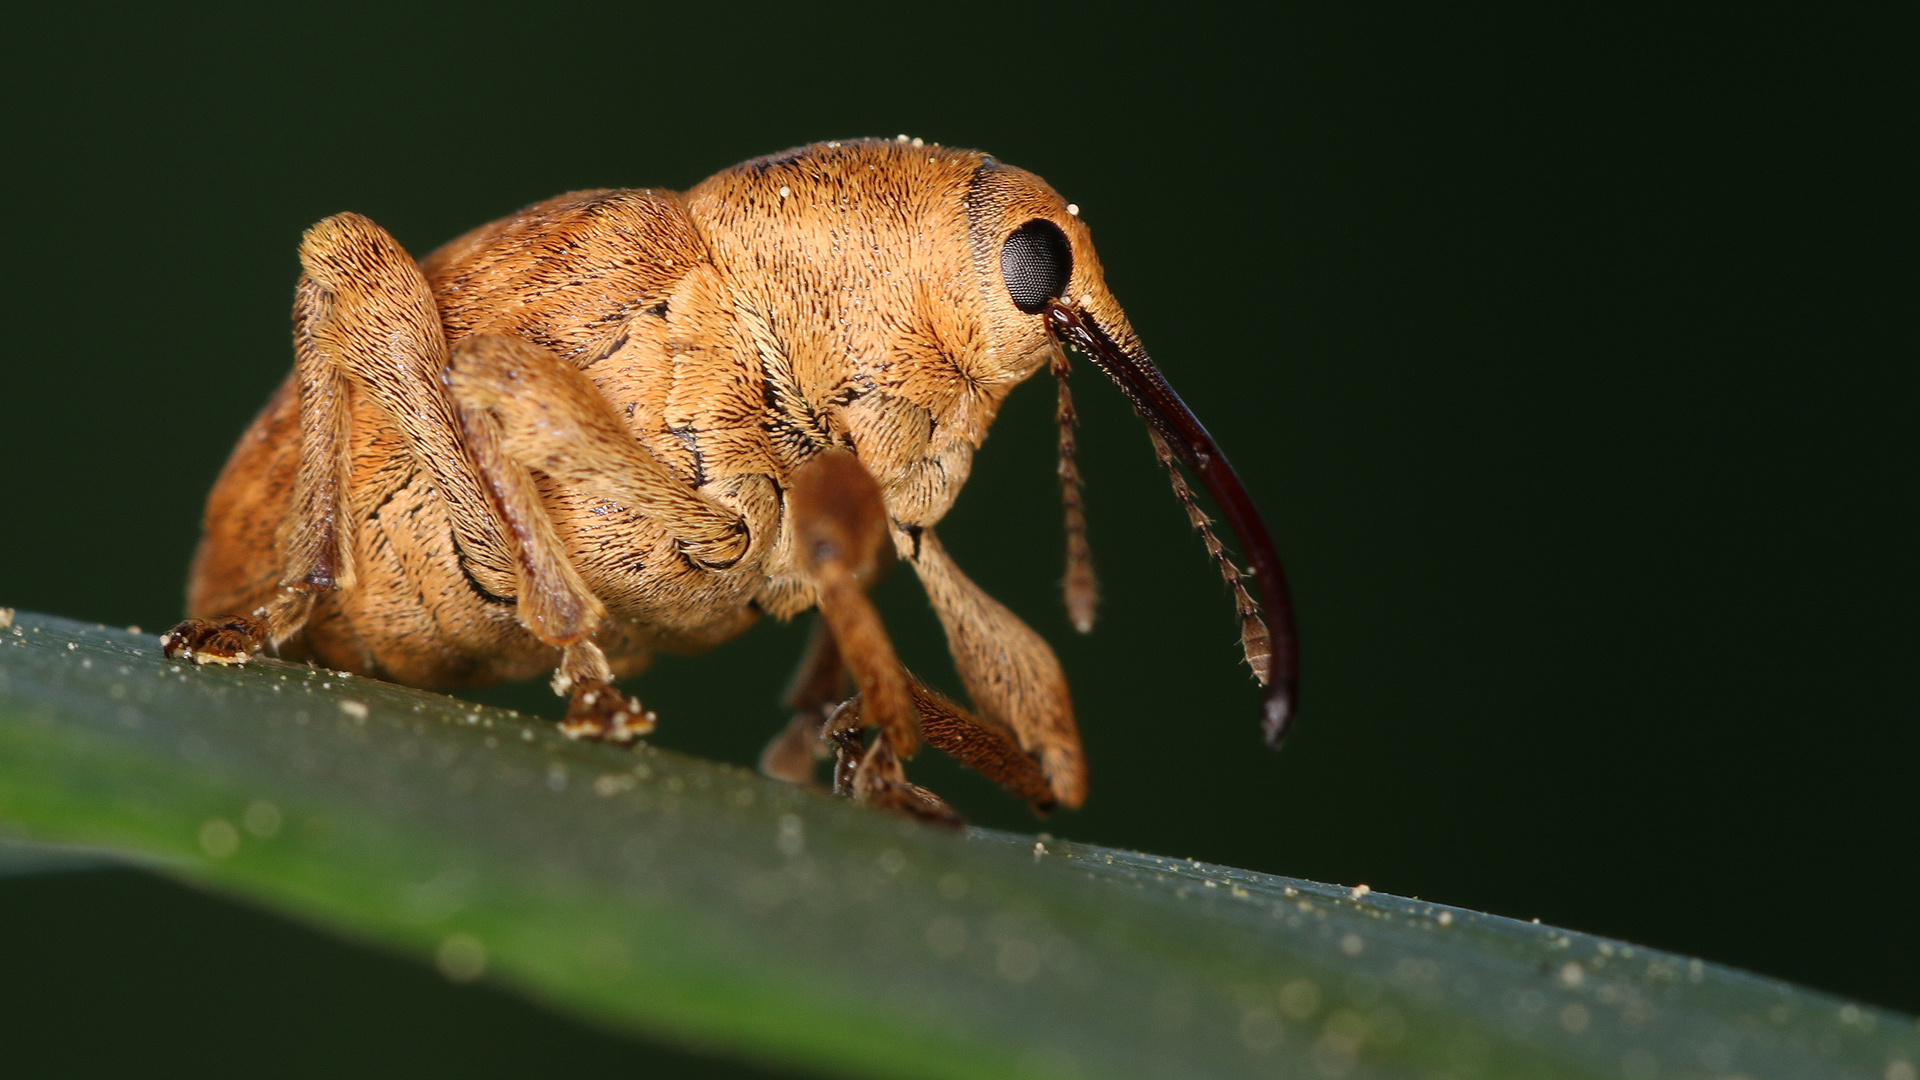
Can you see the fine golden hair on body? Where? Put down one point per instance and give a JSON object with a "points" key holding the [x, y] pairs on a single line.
{"points": [[627, 421]]}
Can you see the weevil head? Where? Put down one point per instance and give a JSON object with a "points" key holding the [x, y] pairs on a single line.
{"points": [[1032, 253], [871, 278], [899, 290], [901, 255]]}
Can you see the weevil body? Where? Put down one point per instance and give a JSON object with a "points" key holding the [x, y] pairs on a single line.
{"points": [[628, 421]]}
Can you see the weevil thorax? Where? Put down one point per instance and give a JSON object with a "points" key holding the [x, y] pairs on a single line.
{"points": [[868, 277]]}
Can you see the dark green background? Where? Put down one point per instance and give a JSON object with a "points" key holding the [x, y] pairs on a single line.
{"points": [[1571, 362]]}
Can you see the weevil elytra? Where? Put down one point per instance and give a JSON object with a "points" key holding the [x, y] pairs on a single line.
{"points": [[627, 421]]}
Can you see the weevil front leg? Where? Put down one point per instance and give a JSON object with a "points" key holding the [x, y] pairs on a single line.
{"points": [[983, 745], [873, 774], [1009, 671], [824, 718], [840, 536], [841, 531]]}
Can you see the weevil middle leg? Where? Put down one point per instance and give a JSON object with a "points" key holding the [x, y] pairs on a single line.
{"points": [[523, 408]]}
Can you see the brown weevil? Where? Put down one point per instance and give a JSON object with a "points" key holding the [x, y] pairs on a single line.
{"points": [[624, 421]]}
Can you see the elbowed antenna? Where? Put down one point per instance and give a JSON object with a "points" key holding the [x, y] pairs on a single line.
{"points": [[1080, 588], [1183, 434]]}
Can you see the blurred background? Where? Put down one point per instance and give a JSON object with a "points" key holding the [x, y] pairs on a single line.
{"points": [[1569, 357]]}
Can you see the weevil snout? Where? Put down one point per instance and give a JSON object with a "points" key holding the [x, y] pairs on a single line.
{"points": [[1057, 295], [1269, 644]]}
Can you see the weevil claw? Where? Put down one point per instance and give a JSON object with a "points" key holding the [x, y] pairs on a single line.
{"points": [[599, 711]]}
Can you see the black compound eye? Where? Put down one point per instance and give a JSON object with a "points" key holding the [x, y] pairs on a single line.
{"points": [[1036, 262]]}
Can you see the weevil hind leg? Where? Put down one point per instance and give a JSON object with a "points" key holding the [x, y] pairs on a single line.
{"points": [[236, 639], [519, 405], [377, 297], [223, 639]]}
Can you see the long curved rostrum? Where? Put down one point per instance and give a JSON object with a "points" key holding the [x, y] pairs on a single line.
{"points": [[1154, 399]]}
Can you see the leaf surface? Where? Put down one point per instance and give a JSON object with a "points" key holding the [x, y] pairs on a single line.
{"points": [[702, 904]]}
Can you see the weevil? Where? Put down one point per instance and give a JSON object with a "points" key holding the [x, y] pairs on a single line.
{"points": [[621, 422]]}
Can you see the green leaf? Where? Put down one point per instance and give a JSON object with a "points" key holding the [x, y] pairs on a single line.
{"points": [[697, 902]]}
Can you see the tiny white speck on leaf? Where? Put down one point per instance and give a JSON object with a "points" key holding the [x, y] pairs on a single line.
{"points": [[462, 958], [218, 838], [262, 819], [791, 839]]}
